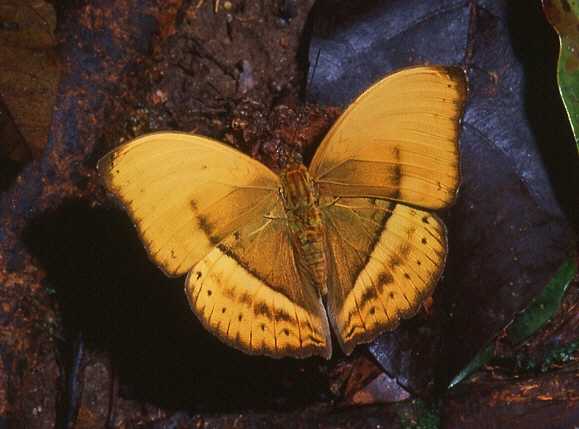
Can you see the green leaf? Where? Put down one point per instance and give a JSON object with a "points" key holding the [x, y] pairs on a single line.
{"points": [[540, 310], [483, 357], [564, 17], [544, 306]]}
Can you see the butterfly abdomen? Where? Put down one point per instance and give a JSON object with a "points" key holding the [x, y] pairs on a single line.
{"points": [[305, 222]]}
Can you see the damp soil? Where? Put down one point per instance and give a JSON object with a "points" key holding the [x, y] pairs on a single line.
{"points": [[223, 70]]}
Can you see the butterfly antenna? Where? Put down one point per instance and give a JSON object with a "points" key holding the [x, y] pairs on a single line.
{"points": [[301, 116]]}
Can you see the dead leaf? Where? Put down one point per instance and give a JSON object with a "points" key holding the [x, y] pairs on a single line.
{"points": [[29, 74]]}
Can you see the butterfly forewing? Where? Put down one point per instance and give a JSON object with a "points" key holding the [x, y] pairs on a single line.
{"points": [[186, 193], [398, 140]]}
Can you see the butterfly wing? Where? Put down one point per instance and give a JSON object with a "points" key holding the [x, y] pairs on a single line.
{"points": [[387, 259], [397, 144], [203, 207], [186, 193], [398, 140], [249, 292]]}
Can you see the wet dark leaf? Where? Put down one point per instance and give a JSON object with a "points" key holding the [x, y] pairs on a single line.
{"points": [[507, 233], [526, 323], [544, 306]]}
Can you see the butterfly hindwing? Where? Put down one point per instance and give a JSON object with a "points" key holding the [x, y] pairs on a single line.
{"points": [[186, 193], [398, 140], [387, 257], [249, 293]]}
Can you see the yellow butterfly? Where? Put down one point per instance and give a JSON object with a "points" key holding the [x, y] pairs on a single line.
{"points": [[265, 252]]}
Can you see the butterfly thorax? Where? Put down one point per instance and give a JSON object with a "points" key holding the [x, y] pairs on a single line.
{"points": [[305, 221]]}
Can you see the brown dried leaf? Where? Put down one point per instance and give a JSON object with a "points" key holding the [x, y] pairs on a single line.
{"points": [[29, 74], [368, 384]]}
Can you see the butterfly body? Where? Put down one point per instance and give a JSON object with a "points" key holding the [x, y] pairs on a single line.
{"points": [[305, 221], [261, 249]]}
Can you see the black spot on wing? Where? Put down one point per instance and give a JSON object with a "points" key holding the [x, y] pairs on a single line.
{"points": [[394, 261], [351, 314], [245, 298], [208, 228], [399, 256], [397, 174], [367, 295], [351, 332], [314, 340], [282, 315], [261, 309], [203, 223], [384, 279]]}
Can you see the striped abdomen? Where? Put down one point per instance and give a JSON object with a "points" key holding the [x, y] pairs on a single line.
{"points": [[305, 222]]}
